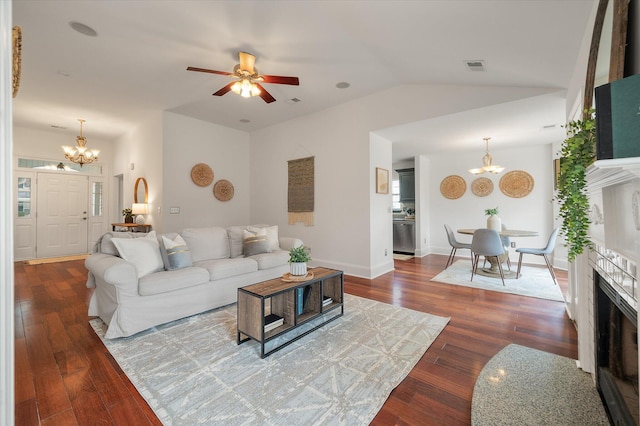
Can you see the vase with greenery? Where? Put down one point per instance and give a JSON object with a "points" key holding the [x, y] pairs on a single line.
{"points": [[128, 215], [493, 221], [298, 258], [577, 153]]}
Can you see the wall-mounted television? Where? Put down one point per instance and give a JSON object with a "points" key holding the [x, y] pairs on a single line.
{"points": [[618, 119]]}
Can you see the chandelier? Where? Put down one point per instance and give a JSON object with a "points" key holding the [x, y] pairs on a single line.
{"points": [[487, 165], [81, 154]]}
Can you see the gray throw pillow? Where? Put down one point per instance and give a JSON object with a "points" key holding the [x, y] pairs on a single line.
{"points": [[255, 244], [175, 253]]}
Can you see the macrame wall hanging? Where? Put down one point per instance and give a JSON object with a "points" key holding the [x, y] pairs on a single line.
{"points": [[301, 191]]}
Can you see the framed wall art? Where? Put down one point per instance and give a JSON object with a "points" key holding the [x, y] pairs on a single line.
{"points": [[382, 181]]}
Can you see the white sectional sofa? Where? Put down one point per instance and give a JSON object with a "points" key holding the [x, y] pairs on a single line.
{"points": [[134, 292]]}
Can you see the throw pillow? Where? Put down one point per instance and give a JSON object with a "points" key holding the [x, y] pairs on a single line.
{"points": [[175, 253], [272, 235], [143, 253], [254, 244]]}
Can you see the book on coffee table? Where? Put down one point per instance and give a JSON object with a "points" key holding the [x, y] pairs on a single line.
{"points": [[272, 321]]}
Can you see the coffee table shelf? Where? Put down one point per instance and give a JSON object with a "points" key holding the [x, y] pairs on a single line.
{"points": [[299, 304]]}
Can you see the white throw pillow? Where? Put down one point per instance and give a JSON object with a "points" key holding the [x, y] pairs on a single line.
{"points": [[143, 252], [175, 253], [272, 235]]}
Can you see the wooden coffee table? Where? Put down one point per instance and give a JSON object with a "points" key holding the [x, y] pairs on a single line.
{"points": [[303, 306]]}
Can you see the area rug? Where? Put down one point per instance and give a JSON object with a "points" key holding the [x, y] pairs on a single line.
{"points": [[524, 386], [192, 371], [398, 256], [534, 282]]}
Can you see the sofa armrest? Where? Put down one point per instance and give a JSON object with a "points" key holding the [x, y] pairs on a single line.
{"points": [[115, 271], [287, 243]]}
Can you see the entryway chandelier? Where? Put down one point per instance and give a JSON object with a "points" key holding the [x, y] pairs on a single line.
{"points": [[81, 154], [487, 163]]}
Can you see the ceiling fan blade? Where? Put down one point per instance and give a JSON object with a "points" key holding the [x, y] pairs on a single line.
{"points": [[209, 71], [266, 96], [281, 80], [247, 61], [226, 89]]}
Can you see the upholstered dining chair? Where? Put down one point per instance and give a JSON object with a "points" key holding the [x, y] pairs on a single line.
{"points": [[455, 245], [487, 243], [506, 242], [544, 252]]}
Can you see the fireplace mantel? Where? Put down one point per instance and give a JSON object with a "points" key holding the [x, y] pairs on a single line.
{"points": [[604, 173]]}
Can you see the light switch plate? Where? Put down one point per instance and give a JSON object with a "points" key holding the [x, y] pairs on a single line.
{"points": [[174, 210]]}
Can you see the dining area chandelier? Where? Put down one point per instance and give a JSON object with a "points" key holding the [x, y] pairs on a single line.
{"points": [[80, 154], [487, 162]]}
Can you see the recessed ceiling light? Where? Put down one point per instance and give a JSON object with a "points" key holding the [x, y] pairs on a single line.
{"points": [[245, 120], [83, 29], [342, 85]]}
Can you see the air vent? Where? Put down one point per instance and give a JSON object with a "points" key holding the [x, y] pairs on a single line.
{"points": [[55, 126], [475, 65], [292, 101], [549, 126]]}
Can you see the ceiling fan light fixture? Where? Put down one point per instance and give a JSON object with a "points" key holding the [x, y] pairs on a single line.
{"points": [[487, 163]]}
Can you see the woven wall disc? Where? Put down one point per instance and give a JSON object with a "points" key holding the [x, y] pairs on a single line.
{"points": [[482, 186], [453, 187], [223, 190], [516, 184], [201, 174]]}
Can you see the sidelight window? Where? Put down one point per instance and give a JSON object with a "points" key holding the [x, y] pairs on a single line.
{"points": [[24, 197], [97, 198]]}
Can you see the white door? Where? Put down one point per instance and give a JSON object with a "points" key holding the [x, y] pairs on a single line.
{"points": [[61, 215]]}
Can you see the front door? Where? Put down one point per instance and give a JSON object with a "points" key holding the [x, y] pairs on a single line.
{"points": [[62, 215]]}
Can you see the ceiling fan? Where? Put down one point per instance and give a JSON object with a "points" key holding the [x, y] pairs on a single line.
{"points": [[248, 83]]}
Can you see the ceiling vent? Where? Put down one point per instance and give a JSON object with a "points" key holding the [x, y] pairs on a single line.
{"points": [[292, 101], [475, 65]]}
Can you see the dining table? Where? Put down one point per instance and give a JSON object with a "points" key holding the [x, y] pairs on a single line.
{"points": [[494, 271]]}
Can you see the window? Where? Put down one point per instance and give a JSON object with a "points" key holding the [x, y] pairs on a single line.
{"points": [[97, 199], [395, 195], [24, 197]]}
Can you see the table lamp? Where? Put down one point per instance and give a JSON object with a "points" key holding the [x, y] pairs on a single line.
{"points": [[140, 209]]}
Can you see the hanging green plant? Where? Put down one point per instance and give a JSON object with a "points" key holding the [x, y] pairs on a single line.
{"points": [[577, 153]]}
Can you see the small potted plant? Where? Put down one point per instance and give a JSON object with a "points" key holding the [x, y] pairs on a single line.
{"points": [[298, 258], [128, 215], [493, 221]]}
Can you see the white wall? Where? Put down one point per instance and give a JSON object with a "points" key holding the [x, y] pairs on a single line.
{"points": [[143, 148], [187, 142], [380, 213], [339, 138], [533, 212], [424, 197]]}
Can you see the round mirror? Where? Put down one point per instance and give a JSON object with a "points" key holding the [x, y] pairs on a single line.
{"points": [[141, 192]]}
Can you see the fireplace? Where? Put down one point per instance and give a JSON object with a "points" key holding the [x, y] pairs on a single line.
{"points": [[616, 360]]}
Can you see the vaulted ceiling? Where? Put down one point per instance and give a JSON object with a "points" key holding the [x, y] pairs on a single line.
{"points": [[137, 61]]}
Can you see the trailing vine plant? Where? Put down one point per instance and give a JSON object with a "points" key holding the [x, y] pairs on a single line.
{"points": [[577, 153]]}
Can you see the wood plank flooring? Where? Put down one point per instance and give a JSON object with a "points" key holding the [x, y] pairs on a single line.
{"points": [[65, 375]]}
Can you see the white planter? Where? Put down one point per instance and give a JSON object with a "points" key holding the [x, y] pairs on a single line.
{"points": [[298, 268], [495, 223]]}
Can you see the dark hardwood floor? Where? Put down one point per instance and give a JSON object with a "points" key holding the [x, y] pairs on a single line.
{"points": [[65, 375]]}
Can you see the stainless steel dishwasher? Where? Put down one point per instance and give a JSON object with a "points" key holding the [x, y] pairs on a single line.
{"points": [[404, 236]]}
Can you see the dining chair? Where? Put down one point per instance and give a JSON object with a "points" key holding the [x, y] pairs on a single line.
{"points": [[455, 245], [487, 243], [544, 252], [506, 242]]}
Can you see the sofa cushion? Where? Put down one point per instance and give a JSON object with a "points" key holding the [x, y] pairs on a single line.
{"points": [[143, 253], [166, 281], [271, 260], [235, 240], [255, 244], [224, 268], [207, 243], [107, 246], [175, 253], [270, 231]]}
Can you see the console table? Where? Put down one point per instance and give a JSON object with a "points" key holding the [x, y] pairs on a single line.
{"points": [[304, 306], [131, 227]]}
